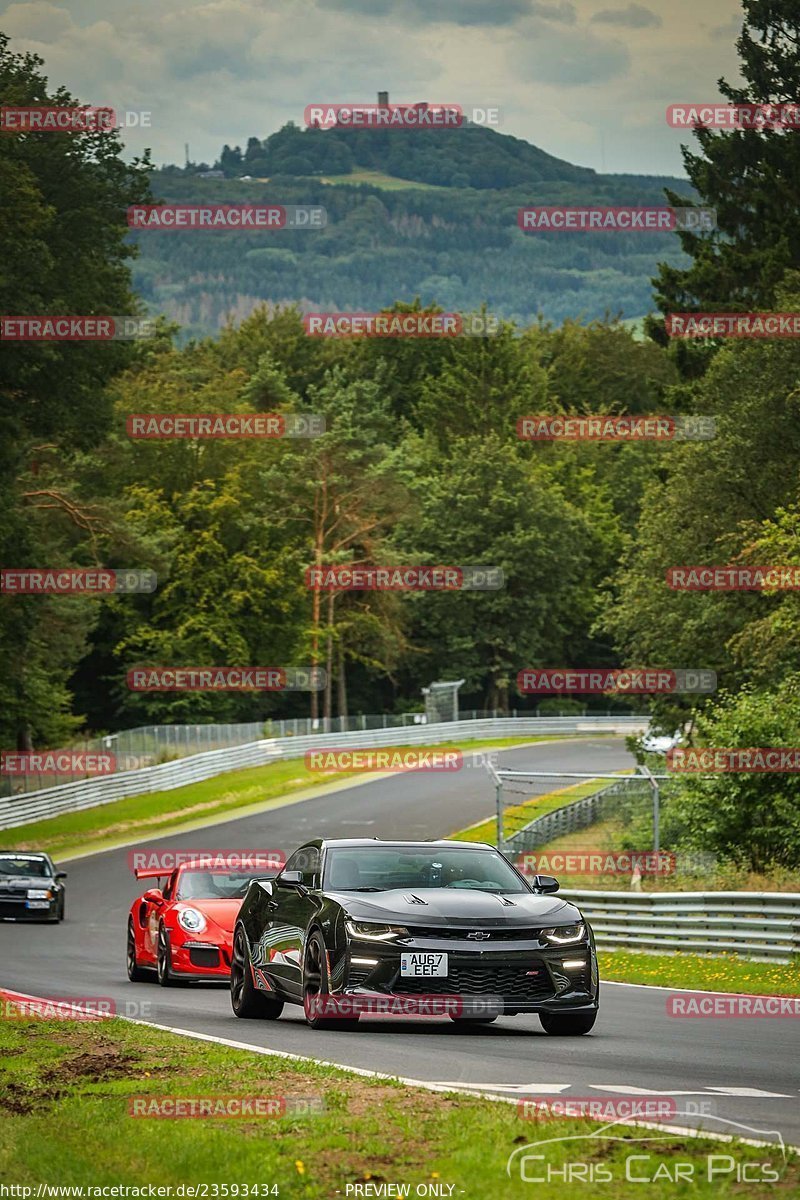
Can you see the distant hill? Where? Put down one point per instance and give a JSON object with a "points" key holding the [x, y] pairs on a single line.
{"points": [[416, 229]]}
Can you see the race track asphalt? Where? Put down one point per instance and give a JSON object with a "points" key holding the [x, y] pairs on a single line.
{"points": [[733, 1070]]}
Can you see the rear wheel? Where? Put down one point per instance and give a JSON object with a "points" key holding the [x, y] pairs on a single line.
{"points": [[567, 1024], [246, 1000], [316, 984], [135, 973]]}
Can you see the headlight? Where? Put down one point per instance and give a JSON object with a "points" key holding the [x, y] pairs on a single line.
{"points": [[563, 934], [191, 920], [375, 933], [39, 894]]}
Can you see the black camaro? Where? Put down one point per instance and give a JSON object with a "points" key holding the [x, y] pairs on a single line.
{"points": [[357, 925], [30, 887]]}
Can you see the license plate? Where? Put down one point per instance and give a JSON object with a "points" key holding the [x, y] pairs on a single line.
{"points": [[37, 904], [419, 964]]}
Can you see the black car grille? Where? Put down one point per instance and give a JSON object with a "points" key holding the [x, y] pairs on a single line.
{"points": [[510, 982], [17, 908], [497, 935], [204, 957], [7, 893]]}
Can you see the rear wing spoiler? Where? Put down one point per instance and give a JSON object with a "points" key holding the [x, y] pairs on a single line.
{"points": [[150, 872]]}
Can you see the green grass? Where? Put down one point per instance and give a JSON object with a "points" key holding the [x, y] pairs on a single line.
{"points": [[197, 804], [516, 816], [723, 973], [65, 1089], [390, 183]]}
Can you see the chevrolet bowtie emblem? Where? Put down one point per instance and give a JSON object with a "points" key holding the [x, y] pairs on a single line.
{"points": [[478, 936]]}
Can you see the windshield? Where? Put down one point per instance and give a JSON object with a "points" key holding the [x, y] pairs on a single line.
{"points": [[24, 865], [364, 868], [212, 885]]}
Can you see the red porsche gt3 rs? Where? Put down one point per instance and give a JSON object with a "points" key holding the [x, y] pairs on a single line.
{"points": [[186, 930]]}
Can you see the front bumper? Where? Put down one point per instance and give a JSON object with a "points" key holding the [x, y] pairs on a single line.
{"points": [[17, 908], [526, 978], [195, 958]]}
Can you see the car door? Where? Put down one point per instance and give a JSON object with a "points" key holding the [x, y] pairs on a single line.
{"points": [[292, 907], [150, 913]]}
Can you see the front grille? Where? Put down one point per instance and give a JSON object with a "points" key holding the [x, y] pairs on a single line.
{"points": [[510, 982], [497, 935], [204, 957], [7, 893]]}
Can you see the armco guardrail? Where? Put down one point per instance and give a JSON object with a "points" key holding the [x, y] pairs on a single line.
{"points": [[759, 925], [87, 793]]}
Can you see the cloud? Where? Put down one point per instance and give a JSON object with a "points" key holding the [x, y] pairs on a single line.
{"points": [[635, 16], [38, 21], [568, 59], [454, 12]]}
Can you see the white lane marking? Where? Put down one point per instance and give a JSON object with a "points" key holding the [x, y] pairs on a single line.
{"points": [[687, 1131], [748, 1091], [624, 1089], [527, 1088], [658, 987]]}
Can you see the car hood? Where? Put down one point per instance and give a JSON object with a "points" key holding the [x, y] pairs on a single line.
{"points": [[25, 881], [456, 906], [221, 912]]}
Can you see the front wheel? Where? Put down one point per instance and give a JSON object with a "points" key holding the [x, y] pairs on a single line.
{"points": [[164, 960], [567, 1024], [135, 972], [246, 1000], [316, 985]]}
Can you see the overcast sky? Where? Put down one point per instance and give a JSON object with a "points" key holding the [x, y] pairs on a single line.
{"points": [[586, 80]]}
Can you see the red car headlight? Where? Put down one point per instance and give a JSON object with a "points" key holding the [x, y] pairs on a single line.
{"points": [[192, 920]]}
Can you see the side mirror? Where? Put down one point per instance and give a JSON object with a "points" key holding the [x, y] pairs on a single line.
{"points": [[545, 883], [290, 879], [154, 896], [61, 875]]}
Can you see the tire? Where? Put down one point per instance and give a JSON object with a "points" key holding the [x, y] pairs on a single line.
{"points": [[61, 909], [246, 1000], [164, 960], [315, 983], [136, 974], [567, 1024]]}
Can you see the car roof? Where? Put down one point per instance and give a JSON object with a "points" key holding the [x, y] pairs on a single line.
{"points": [[405, 843]]}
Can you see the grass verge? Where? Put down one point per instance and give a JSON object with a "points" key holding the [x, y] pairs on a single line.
{"points": [[516, 816], [66, 1089], [179, 809], [723, 973]]}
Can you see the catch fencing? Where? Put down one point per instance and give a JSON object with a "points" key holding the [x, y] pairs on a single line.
{"points": [[88, 793]]}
